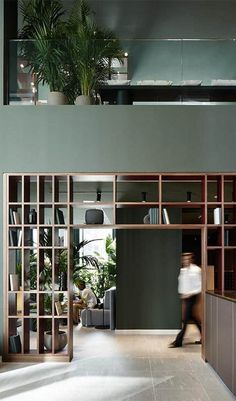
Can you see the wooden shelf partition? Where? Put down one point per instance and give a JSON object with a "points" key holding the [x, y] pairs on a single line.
{"points": [[42, 211]]}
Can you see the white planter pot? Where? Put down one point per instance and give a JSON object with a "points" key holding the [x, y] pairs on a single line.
{"points": [[60, 341], [83, 100], [56, 98]]}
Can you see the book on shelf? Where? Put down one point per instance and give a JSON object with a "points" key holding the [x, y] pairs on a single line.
{"points": [[14, 282], [19, 242], [153, 215], [58, 308], [11, 218], [217, 215], [60, 217], [15, 344], [12, 237], [16, 218], [165, 216]]}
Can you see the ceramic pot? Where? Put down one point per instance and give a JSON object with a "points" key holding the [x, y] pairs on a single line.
{"points": [[56, 98], [83, 100], [60, 340]]}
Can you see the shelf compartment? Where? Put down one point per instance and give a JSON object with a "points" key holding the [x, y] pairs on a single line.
{"points": [[214, 188], [45, 269], [214, 237], [31, 214], [78, 213], [61, 215], [214, 215], [97, 188], [61, 189], [30, 304], [60, 269], [229, 236], [30, 236], [30, 189], [15, 304], [45, 189], [45, 325], [15, 335], [15, 189], [15, 215], [14, 269], [30, 335], [137, 191], [230, 188], [45, 304], [140, 214], [215, 259], [61, 304], [45, 214], [15, 237], [179, 190], [30, 269], [230, 214], [60, 237], [230, 269]]}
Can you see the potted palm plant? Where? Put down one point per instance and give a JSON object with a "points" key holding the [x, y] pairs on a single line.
{"points": [[90, 50], [45, 47]]}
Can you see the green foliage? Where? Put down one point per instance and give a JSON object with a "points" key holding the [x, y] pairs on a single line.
{"points": [[90, 50], [104, 276], [45, 50]]}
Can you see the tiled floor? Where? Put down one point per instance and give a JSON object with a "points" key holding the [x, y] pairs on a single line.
{"points": [[111, 367]]}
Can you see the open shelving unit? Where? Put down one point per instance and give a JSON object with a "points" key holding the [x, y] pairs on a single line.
{"points": [[42, 213]]}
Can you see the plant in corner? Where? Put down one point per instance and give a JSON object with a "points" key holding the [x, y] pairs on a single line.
{"points": [[45, 47], [90, 50]]}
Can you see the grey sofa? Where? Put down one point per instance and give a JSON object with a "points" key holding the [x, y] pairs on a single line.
{"points": [[102, 317]]}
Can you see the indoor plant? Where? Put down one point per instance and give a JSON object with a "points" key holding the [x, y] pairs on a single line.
{"points": [[90, 50], [45, 48]]}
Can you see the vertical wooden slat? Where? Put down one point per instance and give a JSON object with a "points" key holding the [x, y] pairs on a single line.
{"points": [[160, 198]]}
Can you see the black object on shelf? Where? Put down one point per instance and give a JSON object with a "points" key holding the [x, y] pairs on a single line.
{"points": [[99, 196], [144, 196], [189, 196], [94, 216], [15, 344], [32, 216]]}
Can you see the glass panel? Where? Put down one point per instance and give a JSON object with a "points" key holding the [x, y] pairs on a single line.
{"points": [[45, 215], [15, 189], [60, 189], [30, 189], [45, 186], [30, 304], [91, 191], [142, 191], [30, 269], [15, 335], [15, 269]]}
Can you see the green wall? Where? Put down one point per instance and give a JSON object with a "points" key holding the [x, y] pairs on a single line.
{"points": [[116, 138], [147, 279]]}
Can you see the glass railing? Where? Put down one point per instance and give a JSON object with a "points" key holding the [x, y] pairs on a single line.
{"points": [[146, 63]]}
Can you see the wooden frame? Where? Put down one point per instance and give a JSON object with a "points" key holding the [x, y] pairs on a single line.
{"points": [[64, 194]]}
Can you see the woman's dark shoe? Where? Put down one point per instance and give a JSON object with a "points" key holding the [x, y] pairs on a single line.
{"points": [[174, 344]]}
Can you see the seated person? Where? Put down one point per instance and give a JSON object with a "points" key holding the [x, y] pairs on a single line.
{"points": [[87, 299]]}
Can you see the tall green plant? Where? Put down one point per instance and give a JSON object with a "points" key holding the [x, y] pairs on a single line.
{"points": [[45, 49], [90, 50]]}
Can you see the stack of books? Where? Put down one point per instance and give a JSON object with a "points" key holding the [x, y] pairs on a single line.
{"points": [[154, 215]]}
